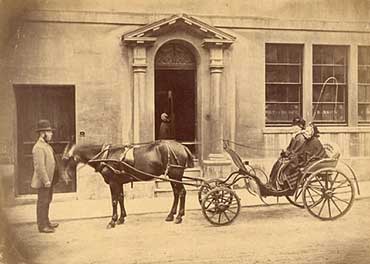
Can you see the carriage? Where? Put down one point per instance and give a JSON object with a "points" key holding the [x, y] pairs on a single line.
{"points": [[326, 188]]}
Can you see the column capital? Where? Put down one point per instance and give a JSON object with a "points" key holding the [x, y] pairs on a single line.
{"points": [[139, 58], [216, 59]]}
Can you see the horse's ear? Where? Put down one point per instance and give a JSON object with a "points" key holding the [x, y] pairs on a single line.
{"points": [[66, 149]]}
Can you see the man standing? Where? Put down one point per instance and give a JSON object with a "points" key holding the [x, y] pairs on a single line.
{"points": [[45, 175]]}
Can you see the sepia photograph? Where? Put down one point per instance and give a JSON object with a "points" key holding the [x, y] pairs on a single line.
{"points": [[184, 131]]}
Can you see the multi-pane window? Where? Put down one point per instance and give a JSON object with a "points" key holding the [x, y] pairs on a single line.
{"points": [[283, 68], [364, 84], [329, 101]]}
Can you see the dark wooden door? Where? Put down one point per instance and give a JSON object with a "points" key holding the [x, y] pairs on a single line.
{"points": [[181, 83], [35, 102]]}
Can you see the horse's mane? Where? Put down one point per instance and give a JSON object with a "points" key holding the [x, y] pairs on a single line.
{"points": [[85, 148]]}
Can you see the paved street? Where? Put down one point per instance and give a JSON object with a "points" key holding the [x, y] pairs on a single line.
{"points": [[275, 234]]}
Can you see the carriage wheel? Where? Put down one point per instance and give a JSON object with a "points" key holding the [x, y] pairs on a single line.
{"points": [[209, 185], [328, 194], [296, 198], [221, 206]]}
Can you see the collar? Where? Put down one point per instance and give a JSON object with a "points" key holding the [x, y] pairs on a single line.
{"points": [[42, 140]]}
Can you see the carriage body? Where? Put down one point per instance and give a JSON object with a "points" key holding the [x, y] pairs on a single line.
{"points": [[326, 188]]}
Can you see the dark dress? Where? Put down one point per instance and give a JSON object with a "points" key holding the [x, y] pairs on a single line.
{"points": [[300, 153], [165, 130]]}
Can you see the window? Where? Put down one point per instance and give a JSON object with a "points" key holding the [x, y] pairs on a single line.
{"points": [[329, 102], [364, 84], [283, 69]]}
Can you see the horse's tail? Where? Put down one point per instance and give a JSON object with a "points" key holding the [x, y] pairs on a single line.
{"points": [[190, 158]]}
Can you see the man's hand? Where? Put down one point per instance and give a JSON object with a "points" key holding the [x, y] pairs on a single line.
{"points": [[48, 184], [67, 180]]}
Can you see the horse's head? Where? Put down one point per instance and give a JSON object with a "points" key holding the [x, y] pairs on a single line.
{"points": [[74, 154], [70, 160]]}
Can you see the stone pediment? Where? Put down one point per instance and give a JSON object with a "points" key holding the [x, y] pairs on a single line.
{"points": [[149, 33]]}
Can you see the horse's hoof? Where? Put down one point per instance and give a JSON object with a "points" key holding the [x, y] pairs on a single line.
{"points": [[169, 218], [121, 221], [111, 225], [178, 221]]}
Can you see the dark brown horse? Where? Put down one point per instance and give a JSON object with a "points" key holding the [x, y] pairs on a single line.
{"points": [[156, 158]]}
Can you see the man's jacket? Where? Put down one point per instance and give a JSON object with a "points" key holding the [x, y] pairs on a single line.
{"points": [[44, 164]]}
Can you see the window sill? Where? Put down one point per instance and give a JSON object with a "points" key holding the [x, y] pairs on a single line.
{"points": [[326, 129]]}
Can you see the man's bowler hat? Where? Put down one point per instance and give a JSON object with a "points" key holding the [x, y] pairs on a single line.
{"points": [[44, 125]]}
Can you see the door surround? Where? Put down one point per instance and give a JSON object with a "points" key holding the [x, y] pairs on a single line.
{"points": [[209, 44]]}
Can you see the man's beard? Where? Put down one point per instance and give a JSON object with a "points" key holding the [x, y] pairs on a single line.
{"points": [[45, 137]]}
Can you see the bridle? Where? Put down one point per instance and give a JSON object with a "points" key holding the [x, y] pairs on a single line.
{"points": [[69, 156]]}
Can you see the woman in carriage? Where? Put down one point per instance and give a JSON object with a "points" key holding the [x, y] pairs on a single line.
{"points": [[304, 148]]}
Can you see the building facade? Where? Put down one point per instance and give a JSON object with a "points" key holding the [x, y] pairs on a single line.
{"points": [[237, 71]]}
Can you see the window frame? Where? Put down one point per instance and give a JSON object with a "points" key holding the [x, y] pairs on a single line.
{"points": [[288, 65], [363, 122], [333, 66]]}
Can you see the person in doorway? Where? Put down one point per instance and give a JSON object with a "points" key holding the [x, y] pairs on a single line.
{"points": [[165, 127], [45, 175]]}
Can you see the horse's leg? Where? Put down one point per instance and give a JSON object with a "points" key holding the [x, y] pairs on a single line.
{"points": [[114, 190], [175, 202], [121, 201], [182, 195]]}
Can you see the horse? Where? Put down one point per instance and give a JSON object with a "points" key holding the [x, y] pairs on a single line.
{"points": [[156, 158]]}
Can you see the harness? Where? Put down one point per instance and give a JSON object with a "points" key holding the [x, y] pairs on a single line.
{"points": [[127, 159]]}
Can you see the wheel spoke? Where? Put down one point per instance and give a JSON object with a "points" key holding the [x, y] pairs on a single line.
{"points": [[209, 204], [341, 183], [319, 181], [316, 187], [213, 213], [322, 207], [228, 219], [318, 193], [298, 193], [316, 203], [308, 190], [326, 180], [340, 199], [335, 204], [219, 218], [333, 181], [329, 210], [231, 211]]}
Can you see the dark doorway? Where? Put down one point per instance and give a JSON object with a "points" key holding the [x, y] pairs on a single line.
{"points": [[175, 91], [175, 95], [35, 102]]}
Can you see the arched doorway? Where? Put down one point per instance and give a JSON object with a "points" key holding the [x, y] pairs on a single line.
{"points": [[175, 91]]}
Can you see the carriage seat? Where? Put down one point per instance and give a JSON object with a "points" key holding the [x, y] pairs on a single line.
{"points": [[332, 150]]}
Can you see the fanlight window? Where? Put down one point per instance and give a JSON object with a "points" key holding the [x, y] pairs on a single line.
{"points": [[174, 56]]}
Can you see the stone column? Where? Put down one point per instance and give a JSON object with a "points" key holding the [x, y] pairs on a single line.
{"points": [[139, 71], [142, 118], [216, 165]]}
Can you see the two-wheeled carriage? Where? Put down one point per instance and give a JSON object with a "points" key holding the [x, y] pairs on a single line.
{"points": [[323, 189], [326, 191]]}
